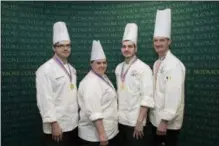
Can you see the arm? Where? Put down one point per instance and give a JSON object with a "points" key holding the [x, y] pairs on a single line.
{"points": [[142, 114], [117, 75], [45, 101], [173, 92], [92, 99], [146, 90], [101, 131]]}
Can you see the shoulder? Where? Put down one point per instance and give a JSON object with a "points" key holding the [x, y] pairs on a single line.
{"points": [[89, 81], [118, 68], [173, 62], [73, 69], [142, 67], [46, 67]]}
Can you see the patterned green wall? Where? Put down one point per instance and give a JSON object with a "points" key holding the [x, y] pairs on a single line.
{"points": [[26, 42]]}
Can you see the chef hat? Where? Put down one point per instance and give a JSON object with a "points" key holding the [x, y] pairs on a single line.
{"points": [[131, 33], [60, 32], [97, 52], [163, 23]]}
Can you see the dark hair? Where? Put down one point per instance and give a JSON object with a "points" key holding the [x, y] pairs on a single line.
{"points": [[92, 61], [55, 44]]}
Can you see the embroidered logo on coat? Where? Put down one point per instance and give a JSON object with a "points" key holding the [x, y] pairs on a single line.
{"points": [[134, 73]]}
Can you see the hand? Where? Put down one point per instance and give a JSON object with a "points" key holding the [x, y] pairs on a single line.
{"points": [[162, 128], [56, 132], [138, 131], [103, 140]]}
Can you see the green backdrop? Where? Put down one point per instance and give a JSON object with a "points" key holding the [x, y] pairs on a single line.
{"points": [[26, 42]]}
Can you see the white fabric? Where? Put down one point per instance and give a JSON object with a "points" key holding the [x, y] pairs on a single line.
{"points": [[97, 52], [163, 23], [169, 92], [97, 100], [60, 32], [137, 92], [67, 67], [55, 100], [131, 33]]}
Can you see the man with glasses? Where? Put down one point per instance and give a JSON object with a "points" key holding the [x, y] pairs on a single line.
{"points": [[57, 92]]}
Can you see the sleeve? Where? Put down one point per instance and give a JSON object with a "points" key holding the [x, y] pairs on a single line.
{"points": [[146, 88], [45, 99], [92, 101], [173, 92], [154, 66], [117, 76]]}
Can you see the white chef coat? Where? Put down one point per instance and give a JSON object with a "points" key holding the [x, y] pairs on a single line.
{"points": [[169, 92], [55, 99], [137, 92], [97, 100]]}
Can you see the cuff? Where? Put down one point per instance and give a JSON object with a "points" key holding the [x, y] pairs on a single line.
{"points": [[167, 115], [147, 102], [96, 116], [49, 118]]}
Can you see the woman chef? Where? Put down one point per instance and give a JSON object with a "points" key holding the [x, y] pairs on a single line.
{"points": [[98, 124]]}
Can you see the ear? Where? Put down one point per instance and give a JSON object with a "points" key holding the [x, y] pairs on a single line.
{"points": [[53, 47], [169, 42], [135, 46], [135, 49], [91, 65]]}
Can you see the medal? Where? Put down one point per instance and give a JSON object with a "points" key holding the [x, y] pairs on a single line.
{"points": [[68, 73], [123, 74], [122, 86], [72, 86]]}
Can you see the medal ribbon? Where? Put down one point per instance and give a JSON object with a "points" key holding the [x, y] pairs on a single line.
{"points": [[63, 67], [102, 78], [124, 74]]}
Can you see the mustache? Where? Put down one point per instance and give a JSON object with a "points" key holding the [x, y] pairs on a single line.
{"points": [[159, 46]]}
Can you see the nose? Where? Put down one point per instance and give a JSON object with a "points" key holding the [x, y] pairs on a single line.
{"points": [[157, 42], [66, 47], [101, 65], [125, 48]]}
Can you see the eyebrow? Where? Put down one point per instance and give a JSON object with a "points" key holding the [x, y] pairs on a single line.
{"points": [[58, 43], [129, 45], [98, 62]]}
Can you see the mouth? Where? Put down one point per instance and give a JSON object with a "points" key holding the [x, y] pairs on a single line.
{"points": [[101, 69], [126, 53], [158, 47]]}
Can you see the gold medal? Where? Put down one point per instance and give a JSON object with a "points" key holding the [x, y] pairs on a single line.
{"points": [[122, 86], [72, 86]]}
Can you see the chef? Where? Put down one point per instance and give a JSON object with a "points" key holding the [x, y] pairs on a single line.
{"points": [[169, 77], [98, 124], [135, 91], [57, 92]]}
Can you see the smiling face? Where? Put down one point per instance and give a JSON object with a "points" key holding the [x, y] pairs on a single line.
{"points": [[128, 49], [63, 49], [99, 66], [161, 44]]}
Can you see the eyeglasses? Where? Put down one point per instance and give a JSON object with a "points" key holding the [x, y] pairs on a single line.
{"points": [[63, 46]]}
